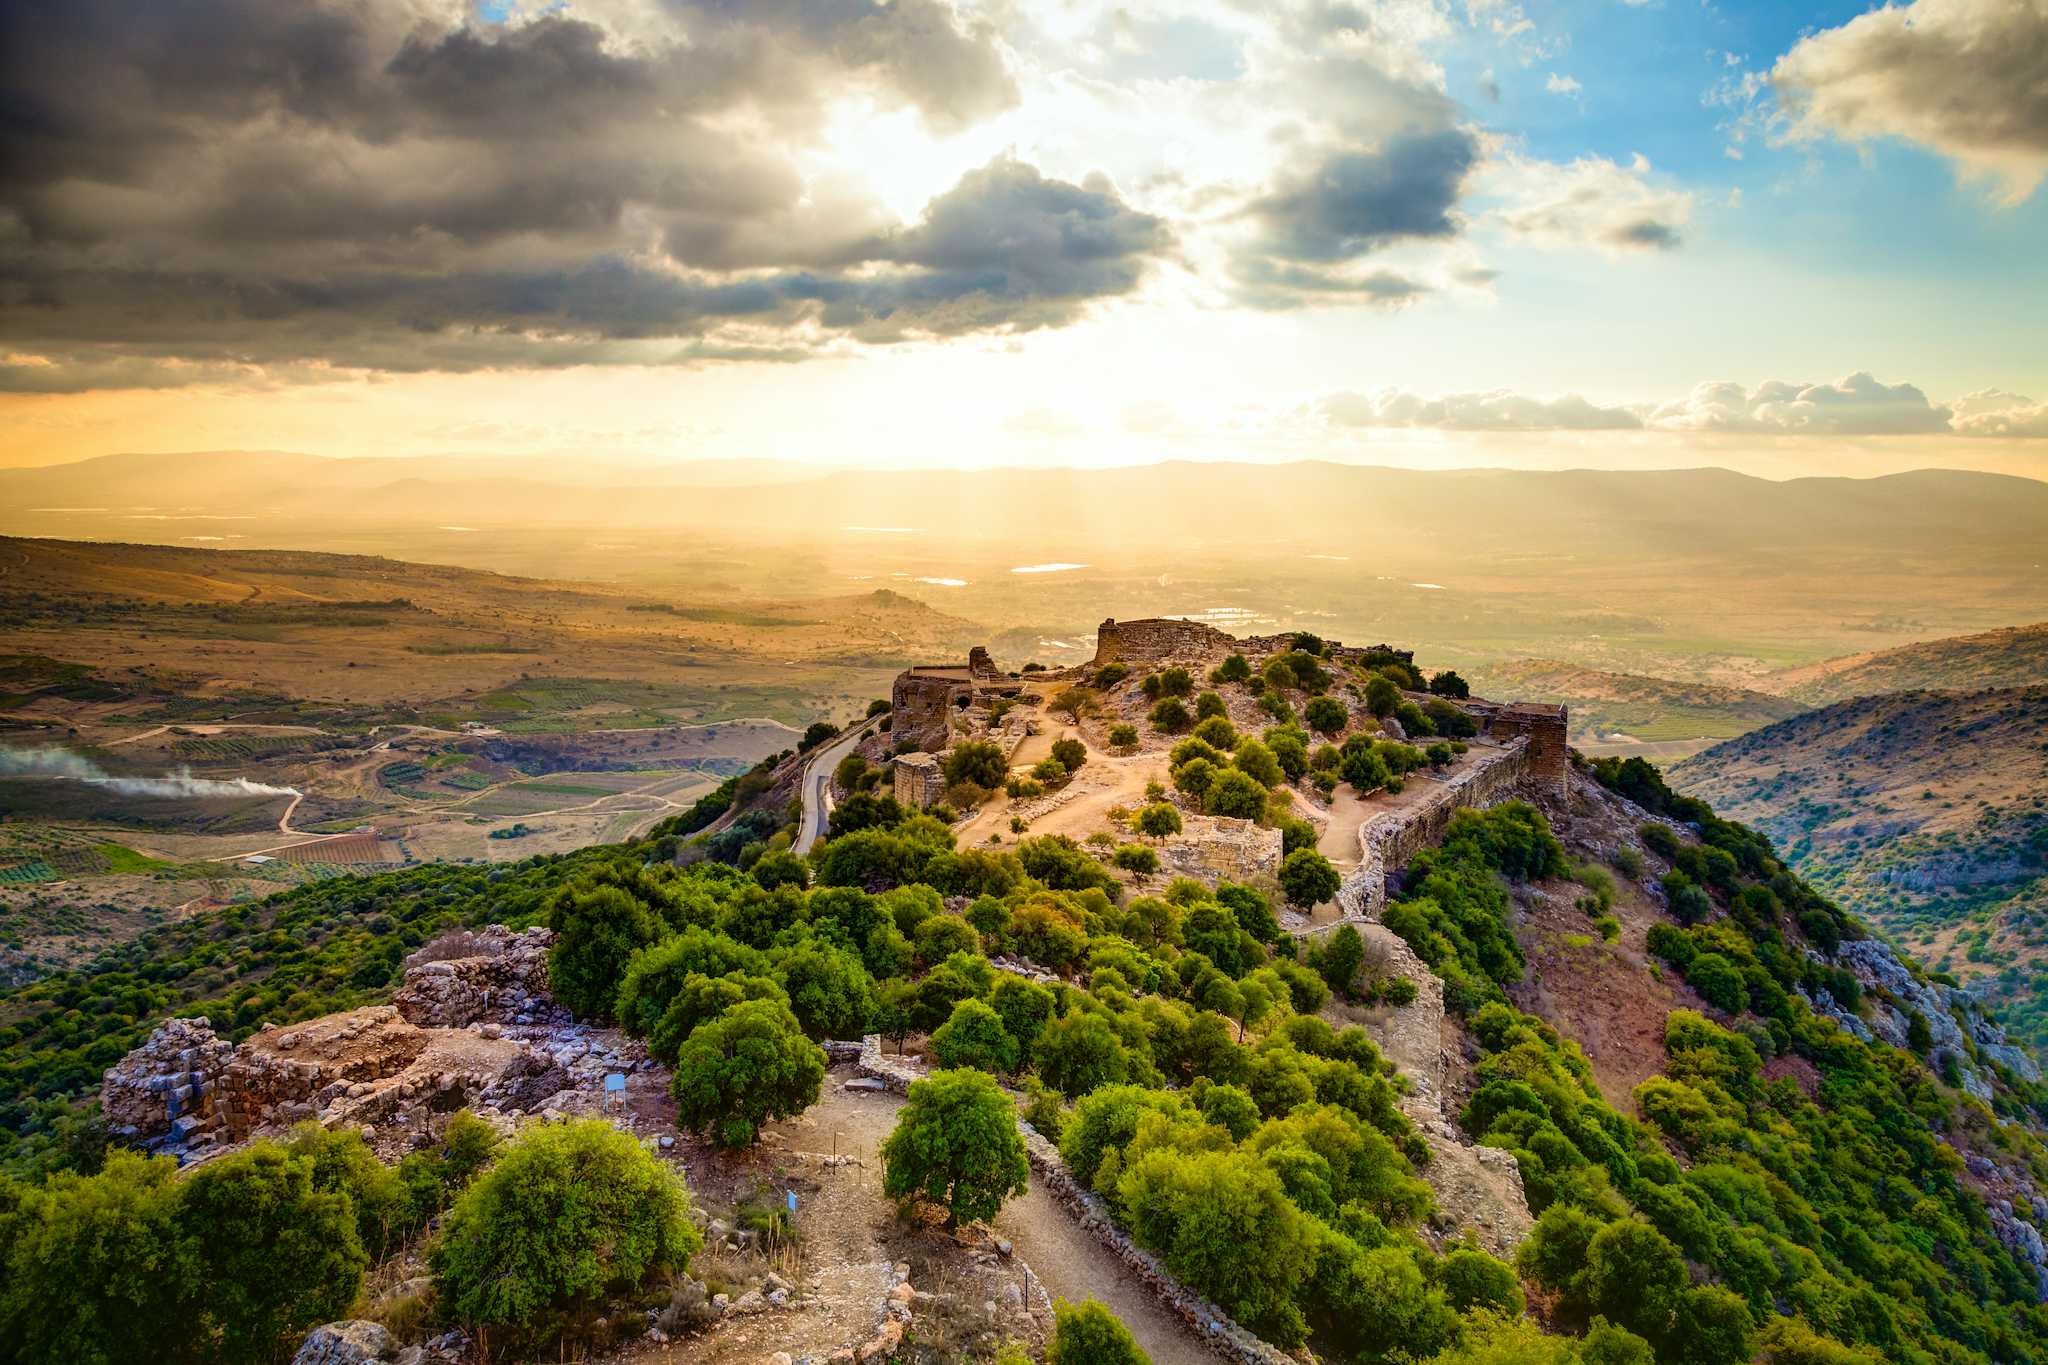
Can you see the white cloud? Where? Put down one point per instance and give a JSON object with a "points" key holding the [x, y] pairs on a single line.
{"points": [[1857, 406], [1562, 85], [1498, 410], [1963, 77], [1588, 202], [1989, 412]]}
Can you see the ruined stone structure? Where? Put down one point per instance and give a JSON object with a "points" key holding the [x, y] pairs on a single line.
{"points": [[1157, 639], [1219, 849], [169, 1089], [491, 974], [925, 697], [1543, 723], [919, 782]]}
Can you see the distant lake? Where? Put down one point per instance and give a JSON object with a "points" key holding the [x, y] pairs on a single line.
{"points": [[1046, 568]]}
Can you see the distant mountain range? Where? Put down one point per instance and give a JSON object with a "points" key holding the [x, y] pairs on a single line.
{"points": [[1442, 515]]}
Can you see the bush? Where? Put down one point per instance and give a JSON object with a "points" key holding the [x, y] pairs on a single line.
{"points": [[1176, 682], [1209, 705], [1687, 899], [1168, 716], [1123, 736], [1070, 754], [1234, 669], [1079, 1053], [571, 1213], [1109, 675], [1326, 715], [1449, 684], [1308, 878], [1719, 982], [274, 1253], [941, 936], [1381, 696], [830, 992], [1218, 733], [1091, 1335], [1061, 864], [750, 1064], [975, 1037], [956, 1144], [1256, 760], [978, 762]]}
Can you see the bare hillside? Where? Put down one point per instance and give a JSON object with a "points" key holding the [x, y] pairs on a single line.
{"points": [[2014, 657], [1628, 713]]}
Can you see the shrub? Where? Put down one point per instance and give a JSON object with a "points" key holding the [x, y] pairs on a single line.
{"points": [[1326, 715], [1109, 675], [956, 1144], [1234, 669], [975, 1037], [1231, 1108], [978, 762], [1176, 682], [1688, 900], [1719, 982], [1073, 703], [1079, 1053], [1070, 754], [1627, 862], [1061, 864], [1308, 878], [1382, 695], [274, 1253], [1194, 777], [750, 1064], [1217, 732], [780, 867], [655, 975], [572, 1212], [1091, 1335], [1123, 736], [1208, 705], [1168, 716]]}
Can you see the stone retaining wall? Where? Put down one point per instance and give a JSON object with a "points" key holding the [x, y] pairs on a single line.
{"points": [[1391, 838]]}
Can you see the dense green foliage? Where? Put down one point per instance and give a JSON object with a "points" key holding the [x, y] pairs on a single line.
{"points": [[1091, 1335], [569, 1213], [956, 1145]]}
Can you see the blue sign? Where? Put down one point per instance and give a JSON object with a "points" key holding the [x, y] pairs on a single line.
{"points": [[792, 1200], [615, 1081]]}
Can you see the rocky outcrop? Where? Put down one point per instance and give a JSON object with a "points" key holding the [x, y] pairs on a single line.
{"points": [[354, 1342], [493, 975], [169, 1089], [367, 1066], [1959, 1029]]}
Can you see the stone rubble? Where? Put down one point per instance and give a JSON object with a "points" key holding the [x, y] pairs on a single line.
{"points": [[493, 974], [167, 1093]]}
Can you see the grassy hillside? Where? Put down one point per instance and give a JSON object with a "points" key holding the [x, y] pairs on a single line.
{"points": [[2014, 657], [1926, 812]]}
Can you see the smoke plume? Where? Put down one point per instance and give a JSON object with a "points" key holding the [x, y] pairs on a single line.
{"points": [[69, 767]]}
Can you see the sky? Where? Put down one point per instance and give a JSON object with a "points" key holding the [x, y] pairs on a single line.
{"points": [[1785, 238]]}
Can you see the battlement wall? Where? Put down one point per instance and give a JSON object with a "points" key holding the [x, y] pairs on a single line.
{"points": [[1157, 638]]}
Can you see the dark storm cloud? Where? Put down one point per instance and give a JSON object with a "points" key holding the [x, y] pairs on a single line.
{"points": [[238, 182], [1351, 202]]}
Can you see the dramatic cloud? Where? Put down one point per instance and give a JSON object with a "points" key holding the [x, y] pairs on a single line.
{"points": [[197, 189], [1496, 411], [1589, 202], [1963, 77], [1857, 406]]}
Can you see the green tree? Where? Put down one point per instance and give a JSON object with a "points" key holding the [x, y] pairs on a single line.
{"points": [[1071, 754], [1137, 858], [749, 1065], [830, 992], [1080, 1052], [1256, 760], [1158, 820], [597, 929], [1289, 749], [941, 936], [1326, 715], [956, 1144], [978, 762], [1217, 732], [1091, 1335], [1449, 684], [1308, 878], [1382, 695], [570, 1213], [780, 867], [1231, 1108], [97, 1269], [1194, 777], [816, 733], [1123, 736], [704, 998], [275, 1254], [975, 1037], [1340, 958], [1719, 982], [1235, 794]]}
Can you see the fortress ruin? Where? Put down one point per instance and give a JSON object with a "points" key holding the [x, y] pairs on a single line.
{"points": [[925, 697]]}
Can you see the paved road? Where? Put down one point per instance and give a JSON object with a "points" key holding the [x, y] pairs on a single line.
{"points": [[817, 780]]}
